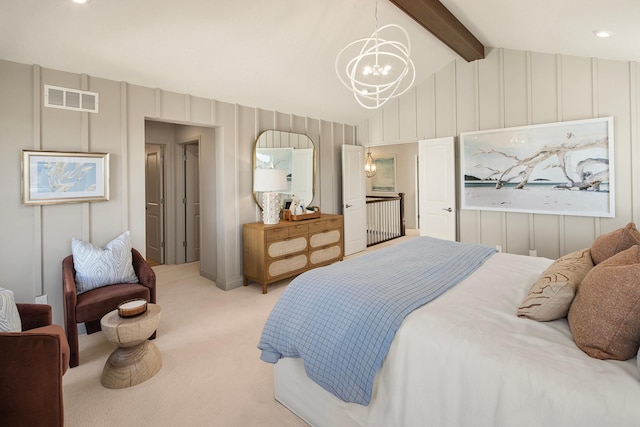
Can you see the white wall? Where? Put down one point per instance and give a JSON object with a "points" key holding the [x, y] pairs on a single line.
{"points": [[37, 238], [515, 88]]}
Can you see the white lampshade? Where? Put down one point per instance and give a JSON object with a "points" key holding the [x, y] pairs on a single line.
{"points": [[269, 182]]}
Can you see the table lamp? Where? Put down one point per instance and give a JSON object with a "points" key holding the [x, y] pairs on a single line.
{"points": [[270, 182]]}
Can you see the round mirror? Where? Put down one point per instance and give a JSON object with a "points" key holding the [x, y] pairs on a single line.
{"points": [[292, 152]]}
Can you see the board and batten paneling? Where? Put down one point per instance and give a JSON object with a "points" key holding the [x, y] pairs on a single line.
{"points": [[40, 236], [517, 88]]}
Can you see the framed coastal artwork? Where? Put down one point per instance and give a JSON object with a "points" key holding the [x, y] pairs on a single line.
{"points": [[563, 168], [384, 181], [50, 177]]}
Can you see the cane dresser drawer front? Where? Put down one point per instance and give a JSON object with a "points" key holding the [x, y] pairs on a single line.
{"points": [[287, 246], [287, 265], [325, 255], [276, 252], [325, 238]]}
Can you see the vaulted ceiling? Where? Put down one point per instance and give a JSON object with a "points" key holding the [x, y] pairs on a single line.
{"points": [[279, 54]]}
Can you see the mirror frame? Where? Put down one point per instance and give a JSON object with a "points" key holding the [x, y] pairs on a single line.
{"points": [[273, 132]]}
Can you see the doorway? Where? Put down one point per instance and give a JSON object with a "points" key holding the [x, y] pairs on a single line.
{"points": [[173, 175]]}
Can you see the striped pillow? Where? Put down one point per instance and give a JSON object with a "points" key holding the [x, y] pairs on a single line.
{"points": [[9, 316], [96, 267]]}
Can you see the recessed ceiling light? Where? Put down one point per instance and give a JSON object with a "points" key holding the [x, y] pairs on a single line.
{"points": [[602, 33], [80, 1]]}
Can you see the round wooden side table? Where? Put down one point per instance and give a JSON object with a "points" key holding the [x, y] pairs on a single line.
{"points": [[136, 359]]}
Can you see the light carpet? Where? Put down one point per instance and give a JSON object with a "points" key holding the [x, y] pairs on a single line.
{"points": [[211, 375]]}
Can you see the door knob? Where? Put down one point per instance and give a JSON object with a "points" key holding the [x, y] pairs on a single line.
{"points": [[447, 209], [348, 205]]}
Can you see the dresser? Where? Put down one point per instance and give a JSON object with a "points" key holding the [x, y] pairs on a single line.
{"points": [[278, 251]]}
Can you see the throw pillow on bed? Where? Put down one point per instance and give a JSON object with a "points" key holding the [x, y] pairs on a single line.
{"points": [[9, 316], [96, 267], [609, 244], [551, 295], [605, 315]]}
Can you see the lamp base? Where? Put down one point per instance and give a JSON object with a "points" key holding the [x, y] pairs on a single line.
{"points": [[270, 208]]}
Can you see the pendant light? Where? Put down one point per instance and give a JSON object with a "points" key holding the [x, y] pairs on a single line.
{"points": [[379, 67], [369, 165]]}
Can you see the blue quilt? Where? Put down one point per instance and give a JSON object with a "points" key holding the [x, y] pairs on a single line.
{"points": [[341, 319]]}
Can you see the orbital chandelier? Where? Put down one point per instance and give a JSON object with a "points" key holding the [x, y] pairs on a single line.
{"points": [[379, 67]]}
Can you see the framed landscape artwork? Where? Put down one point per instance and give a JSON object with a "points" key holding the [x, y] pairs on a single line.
{"points": [[50, 177], [384, 181], [563, 168]]}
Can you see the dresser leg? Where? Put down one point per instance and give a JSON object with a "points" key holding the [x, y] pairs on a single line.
{"points": [[245, 281], [264, 289]]}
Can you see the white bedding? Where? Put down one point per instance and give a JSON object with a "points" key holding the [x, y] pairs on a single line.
{"points": [[466, 359]]}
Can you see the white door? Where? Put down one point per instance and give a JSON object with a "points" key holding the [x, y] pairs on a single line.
{"points": [[154, 207], [437, 188], [192, 201], [354, 199]]}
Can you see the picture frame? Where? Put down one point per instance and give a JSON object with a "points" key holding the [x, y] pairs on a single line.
{"points": [[384, 181], [53, 177], [563, 168]]}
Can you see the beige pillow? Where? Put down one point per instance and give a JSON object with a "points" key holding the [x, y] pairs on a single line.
{"points": [[551, 295], [605, 314], [609, 244]]}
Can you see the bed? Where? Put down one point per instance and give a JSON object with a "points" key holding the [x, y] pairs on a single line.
{"points": [[466, 359]]}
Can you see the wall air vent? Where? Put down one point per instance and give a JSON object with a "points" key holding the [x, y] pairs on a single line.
{"points": [[70, 99]]}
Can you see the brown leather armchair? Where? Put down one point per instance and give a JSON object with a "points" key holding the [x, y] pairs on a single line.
{"points": [[32, 363], [89, 307]]}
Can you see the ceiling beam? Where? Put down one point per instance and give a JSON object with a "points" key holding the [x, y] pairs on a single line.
{"points": [[437, 19]]}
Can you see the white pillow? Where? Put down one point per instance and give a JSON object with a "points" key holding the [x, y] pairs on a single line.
{"points": [[9, 316], [96, 267]]}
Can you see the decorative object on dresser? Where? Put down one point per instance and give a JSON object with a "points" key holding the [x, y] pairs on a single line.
{"points": [[309, 213], [276, 252], [270, 182]]}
